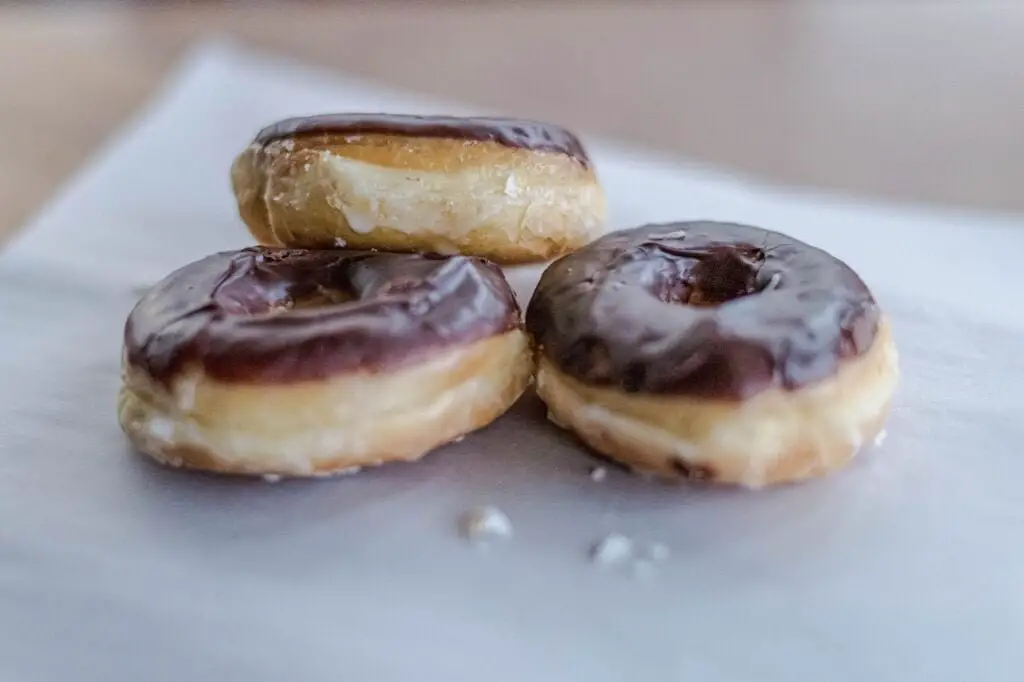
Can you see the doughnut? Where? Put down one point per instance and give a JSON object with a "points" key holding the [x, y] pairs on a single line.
{"points": [[297, 363], [713, 352], [508, 190]]}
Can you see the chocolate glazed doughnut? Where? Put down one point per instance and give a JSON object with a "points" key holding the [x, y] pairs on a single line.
{"points": [[299, 363], [713, 351], [509, 190]]}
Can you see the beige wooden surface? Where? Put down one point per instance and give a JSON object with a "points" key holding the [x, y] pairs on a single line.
{"points": [[919, 101]]}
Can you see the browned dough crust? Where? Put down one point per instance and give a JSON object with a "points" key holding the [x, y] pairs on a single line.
{"points": [[774, 437], [315, 428]]}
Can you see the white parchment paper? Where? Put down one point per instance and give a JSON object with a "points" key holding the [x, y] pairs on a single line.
{"points": [[905, 567]]}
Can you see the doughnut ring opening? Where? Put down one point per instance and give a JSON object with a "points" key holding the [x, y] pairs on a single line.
{"points": [[305, 363], [714, 352], [509, 190]]}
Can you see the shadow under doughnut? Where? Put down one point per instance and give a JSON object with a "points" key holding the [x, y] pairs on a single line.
{"points": [[300, 363], [713, 351]]}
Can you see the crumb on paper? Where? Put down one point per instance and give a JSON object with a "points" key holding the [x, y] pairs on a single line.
{"points": [[486, 523], [773, 282], [614, 548], [880, 438], [272, 478], [657, 551], [645, 565], [598, 474]]}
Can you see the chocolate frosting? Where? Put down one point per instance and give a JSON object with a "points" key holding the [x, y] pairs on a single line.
{"points": [[240, 317], [510, 132], [704, 309]]}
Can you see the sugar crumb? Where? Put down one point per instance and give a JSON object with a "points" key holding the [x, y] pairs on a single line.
{"points": [[511, 188], [658, 551], [614, 548], [484, 524], [161, 429], [598, 474]]}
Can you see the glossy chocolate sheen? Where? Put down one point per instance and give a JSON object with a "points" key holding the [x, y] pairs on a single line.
{"points": [[239, 317], [510, 132], [702, 309]]}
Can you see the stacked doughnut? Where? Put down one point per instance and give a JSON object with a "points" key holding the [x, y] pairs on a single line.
{"points": [[373, 322]]}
